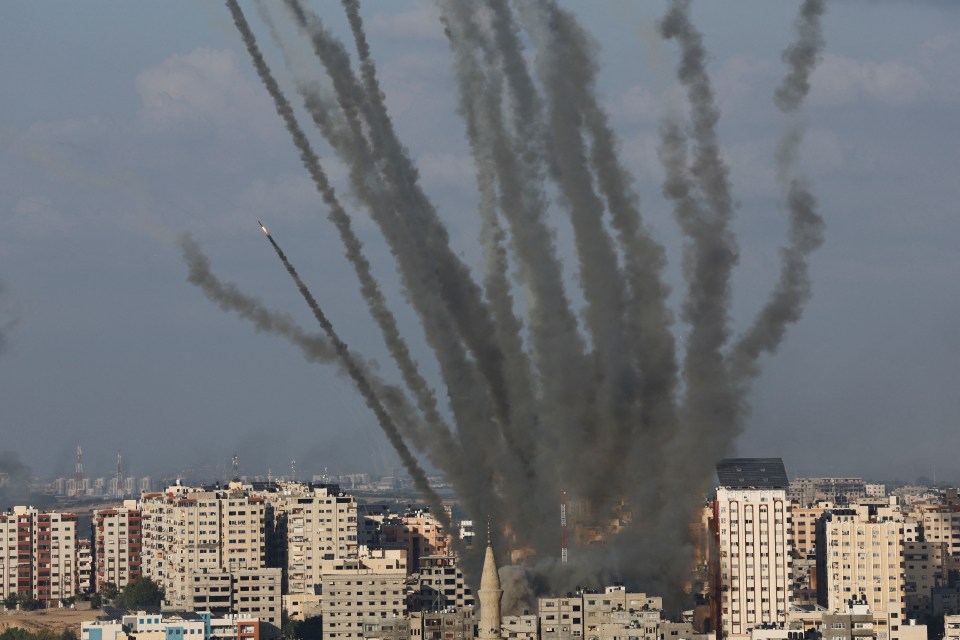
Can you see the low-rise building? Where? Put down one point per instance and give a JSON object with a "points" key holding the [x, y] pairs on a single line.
{"points": [[175, 626]]}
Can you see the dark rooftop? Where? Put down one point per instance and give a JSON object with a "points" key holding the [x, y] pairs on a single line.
{"points": [[752, 473]]}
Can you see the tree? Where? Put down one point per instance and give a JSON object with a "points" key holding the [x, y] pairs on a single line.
{"points": [[109, 591], [142, 592], [11, 601], [27, 601]]}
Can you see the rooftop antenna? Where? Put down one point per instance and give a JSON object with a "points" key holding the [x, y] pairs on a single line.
{"points": [[119, 488], [293, 470], [236, 468], [78, 476], [563, 527]]}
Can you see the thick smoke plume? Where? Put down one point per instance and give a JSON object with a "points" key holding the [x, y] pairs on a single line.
{"points": [[6, 326], [15, 479], [543, 397]]}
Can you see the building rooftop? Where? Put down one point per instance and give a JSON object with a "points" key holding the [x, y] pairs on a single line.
{"points": [[752, 473]]}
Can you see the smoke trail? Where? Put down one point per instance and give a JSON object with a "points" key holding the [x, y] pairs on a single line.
{"points": [[556, 345], [436, 280], [480, 96], [801, 56], [356, 373], [648, 402], [460, 294], [369, 287], [351, 243], [314, 348], [532, 409], [792, 290], [712, 411], [524, 156], [601, 278]]}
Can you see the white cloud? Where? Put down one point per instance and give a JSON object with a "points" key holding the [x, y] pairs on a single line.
{"points": [[841, 80], [204, 87], [422, 22]]}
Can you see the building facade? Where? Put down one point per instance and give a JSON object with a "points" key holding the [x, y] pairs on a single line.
{"points": [[118, 539], [39, 554], [753, 533]]}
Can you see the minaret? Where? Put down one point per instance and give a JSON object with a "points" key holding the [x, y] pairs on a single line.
{"points": [[490, 594]]}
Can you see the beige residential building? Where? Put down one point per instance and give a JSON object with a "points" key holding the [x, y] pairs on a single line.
{"points": [[941, 523], [442, 585], [352, 596], [924, 569], [318, 524], [253, 591], [452, 624], [859, 560], [803, 587], [951, 627], [560, 618], [521, 627], [39, 553], [753, 533], [187, 531], [614, 613]]}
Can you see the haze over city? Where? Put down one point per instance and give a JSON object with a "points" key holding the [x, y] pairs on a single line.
{"points": [[131, 124]]}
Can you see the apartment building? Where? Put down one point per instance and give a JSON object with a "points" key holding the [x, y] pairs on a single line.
{"points": [[244, 591], [353, 596], [118, 539], [417, 532], [859, 559], [39, 553], [317, 524], [924, 569], [803, 584], [941, 523], [452, 624], [189, 531], [441, 586], [612, 613], [808, 491], [753, 532]]}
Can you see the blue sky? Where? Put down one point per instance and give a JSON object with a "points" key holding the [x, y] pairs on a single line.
{"points": [[126, 123]]}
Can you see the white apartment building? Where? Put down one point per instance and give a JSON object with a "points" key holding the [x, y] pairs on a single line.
{"points": [[753, 533]]}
